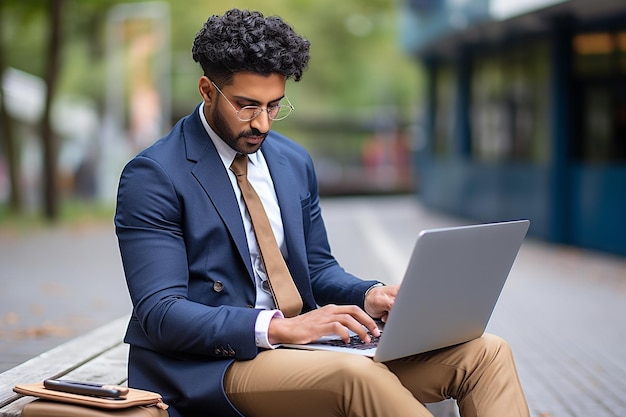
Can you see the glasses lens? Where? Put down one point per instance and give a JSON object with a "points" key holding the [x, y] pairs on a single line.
{"points": [[279, 112], [249, 113]]}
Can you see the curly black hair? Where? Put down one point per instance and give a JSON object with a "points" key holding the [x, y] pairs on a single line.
{"points": [[243, 40]]}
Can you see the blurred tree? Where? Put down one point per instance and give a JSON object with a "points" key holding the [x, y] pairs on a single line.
{"points": [[48, 137], [19, 46], [7, 132], [31, 39], [21, 26]]}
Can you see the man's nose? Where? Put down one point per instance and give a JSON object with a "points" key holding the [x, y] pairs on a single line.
{"points": [[262, 122]]}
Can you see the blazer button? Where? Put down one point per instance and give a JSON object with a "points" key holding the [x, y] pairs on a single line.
{"points": [[218, 286]]}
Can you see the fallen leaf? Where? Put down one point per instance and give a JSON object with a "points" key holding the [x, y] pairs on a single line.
{"points": [[46, 330]]}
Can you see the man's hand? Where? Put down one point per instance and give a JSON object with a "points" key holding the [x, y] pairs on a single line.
{"points": [[324, 321], [379, 301]]}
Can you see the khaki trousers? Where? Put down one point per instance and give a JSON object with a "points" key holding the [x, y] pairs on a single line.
{"points": [[480, 375]]}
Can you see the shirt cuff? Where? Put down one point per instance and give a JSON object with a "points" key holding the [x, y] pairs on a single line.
{"points": [[380, 284], [262, 325]]}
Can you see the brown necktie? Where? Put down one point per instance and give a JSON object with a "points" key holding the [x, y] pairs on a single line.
{"points": [[284, 291]]}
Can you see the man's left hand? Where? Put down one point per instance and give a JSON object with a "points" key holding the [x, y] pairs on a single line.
{"points": [[379, 300]]}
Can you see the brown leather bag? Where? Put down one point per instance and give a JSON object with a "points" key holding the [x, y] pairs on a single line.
{"points": [[136, 403]]}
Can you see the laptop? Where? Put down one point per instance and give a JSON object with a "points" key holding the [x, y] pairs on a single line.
{"points": [[453, 280]]}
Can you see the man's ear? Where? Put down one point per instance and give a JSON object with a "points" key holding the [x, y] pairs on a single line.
{"points": [[206, 89]]}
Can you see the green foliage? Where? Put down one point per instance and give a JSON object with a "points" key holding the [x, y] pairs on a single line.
{"points": [[355, 58], [23, 33], [356, 62], [357, 71]]}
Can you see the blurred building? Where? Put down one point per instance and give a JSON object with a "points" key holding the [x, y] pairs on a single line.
{"points": [[525, 113]]}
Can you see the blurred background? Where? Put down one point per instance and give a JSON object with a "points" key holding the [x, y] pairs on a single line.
{"points": [[524, 113], [87, 84], [488, 109]]}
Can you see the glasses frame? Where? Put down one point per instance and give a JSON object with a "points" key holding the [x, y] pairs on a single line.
{"points": [[257, 108]]}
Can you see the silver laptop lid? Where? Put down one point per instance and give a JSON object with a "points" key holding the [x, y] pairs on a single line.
{"points": [[450, 288]]}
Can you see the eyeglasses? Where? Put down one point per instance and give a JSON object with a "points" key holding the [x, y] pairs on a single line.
{"points": [[247, 113]]}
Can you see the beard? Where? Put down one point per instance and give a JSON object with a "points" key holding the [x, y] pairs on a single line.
{"points": [[245, 142]]}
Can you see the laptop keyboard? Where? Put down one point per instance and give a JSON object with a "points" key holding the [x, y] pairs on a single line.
{"points": [[355, 342]]}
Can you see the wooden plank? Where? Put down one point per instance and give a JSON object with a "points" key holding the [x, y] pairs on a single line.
{"points": [[14, 409], [64, 358], [108, 368]]}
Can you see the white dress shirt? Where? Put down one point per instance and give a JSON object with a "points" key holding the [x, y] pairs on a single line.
{"points": [[261, 180]]}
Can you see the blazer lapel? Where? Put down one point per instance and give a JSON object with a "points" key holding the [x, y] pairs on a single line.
{"points": [[209, 171]]}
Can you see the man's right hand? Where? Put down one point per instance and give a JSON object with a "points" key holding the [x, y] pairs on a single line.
{"points": [[324, 321]]}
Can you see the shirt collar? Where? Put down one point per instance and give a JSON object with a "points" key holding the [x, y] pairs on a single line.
{"points": [[226, 153]]}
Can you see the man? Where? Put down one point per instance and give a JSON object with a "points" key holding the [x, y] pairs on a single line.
{"points": [[205, 326]]}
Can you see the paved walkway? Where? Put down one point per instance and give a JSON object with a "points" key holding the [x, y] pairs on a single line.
{"points": [[562, 309], [56, 284]]}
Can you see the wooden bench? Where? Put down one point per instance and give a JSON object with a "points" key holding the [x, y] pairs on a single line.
{"points": [[97, 356]]}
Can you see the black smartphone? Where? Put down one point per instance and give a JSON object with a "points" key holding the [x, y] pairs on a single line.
{"points": [[86, 388]]}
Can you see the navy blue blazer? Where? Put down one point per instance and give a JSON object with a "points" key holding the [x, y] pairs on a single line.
{"points": [[188, 269]]}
